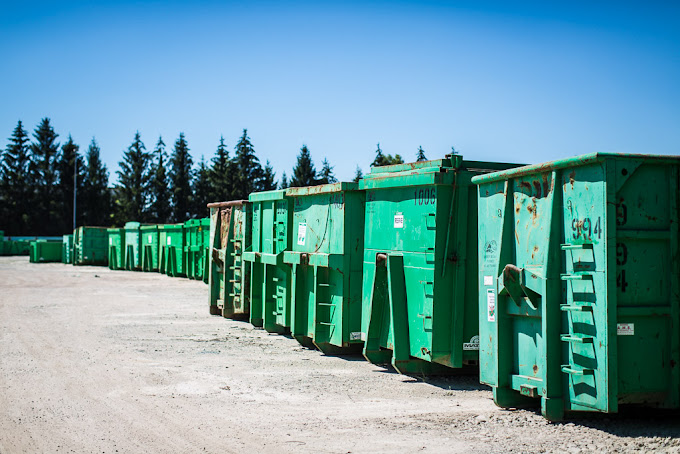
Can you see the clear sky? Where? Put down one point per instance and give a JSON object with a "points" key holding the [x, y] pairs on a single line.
{"points": [[501, 81]]}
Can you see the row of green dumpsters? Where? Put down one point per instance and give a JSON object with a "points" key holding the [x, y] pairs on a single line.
{"points": [[559, 281], [178, 250]]}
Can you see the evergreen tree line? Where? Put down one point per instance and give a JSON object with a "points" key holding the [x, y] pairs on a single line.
{"points": [[37, 181]]}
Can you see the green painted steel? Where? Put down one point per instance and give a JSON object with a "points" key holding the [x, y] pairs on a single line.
{"points": [[171, 239], [41, 251], [90, 246], [2, 242], [579, 283], [197, 236], [67, 249], [16, 246], [270, 277], [133, 246], [326, 261], [116, 248], [150, 247], [420, 265], [228, 278]]}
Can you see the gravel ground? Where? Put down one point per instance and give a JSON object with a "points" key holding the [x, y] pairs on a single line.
{"points": [[93, 360]]}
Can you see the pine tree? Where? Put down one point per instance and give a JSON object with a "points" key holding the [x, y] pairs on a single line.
{"points": [[43, 176], [69, 167], [304, 173], [201, 190], [248, 171], [268, 178], [420, 156], [133, 183], [382, 159], [15, 185], [379, 157], [221, 175], [326, 175], [284, 181], [96, 195], [180, 180], [159, 207], [358, 175]]}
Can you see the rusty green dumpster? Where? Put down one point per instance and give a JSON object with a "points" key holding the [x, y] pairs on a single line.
{"points": [[90, 246], [228, 280], [171, 239], [270, 277], [579, 276], [150, 247], [326, 261], [420, 265]]}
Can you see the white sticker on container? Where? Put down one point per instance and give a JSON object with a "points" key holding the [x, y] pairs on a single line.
{"points": [[473, 344], [488, 280], [110, 241], [357, 335], [150, 239], [491, 305], [302, 233], [625, 329], [398, 221], [169, 240]]}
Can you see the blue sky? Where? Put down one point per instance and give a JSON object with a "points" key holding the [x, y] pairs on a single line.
{"points": [[523, 82]]}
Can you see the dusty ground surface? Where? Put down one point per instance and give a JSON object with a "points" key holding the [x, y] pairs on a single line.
{"points": [[93, 360]]}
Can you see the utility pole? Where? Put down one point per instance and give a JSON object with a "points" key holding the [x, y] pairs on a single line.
{"points": [[75, 179]]}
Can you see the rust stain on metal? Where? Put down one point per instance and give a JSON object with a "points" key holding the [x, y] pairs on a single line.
{"points": [[572, 178], [226, 204]]}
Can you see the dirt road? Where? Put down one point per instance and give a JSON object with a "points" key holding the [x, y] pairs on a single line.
{"points": [[93, 360]]}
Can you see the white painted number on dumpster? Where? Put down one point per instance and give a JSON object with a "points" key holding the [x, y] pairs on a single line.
{"points": [[398, 221], [302, 233], [625, 329], [491, 305]]}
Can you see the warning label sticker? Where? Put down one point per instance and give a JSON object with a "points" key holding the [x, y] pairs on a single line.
{"points": [[488, 280], [302, 233], [491, 305], [473, 344], [398, 221], [357, 335], [625, 329]]}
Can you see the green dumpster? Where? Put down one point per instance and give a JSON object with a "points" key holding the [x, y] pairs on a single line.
{"points": [[45, 251], [90, 246], [230, 236], [17, 245], [2, 242], [420, 265], [150, 247], [326, 261], [133, 246], [579, 276], [116, 248], [67, 249], [171, 239], [197, 235], [270, 277]]}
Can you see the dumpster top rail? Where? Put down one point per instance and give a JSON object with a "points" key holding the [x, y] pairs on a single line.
{"points": [[569, 162]]}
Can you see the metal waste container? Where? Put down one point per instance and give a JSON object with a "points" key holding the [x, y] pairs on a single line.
{"points": [[579, 280], [326, 261]]}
